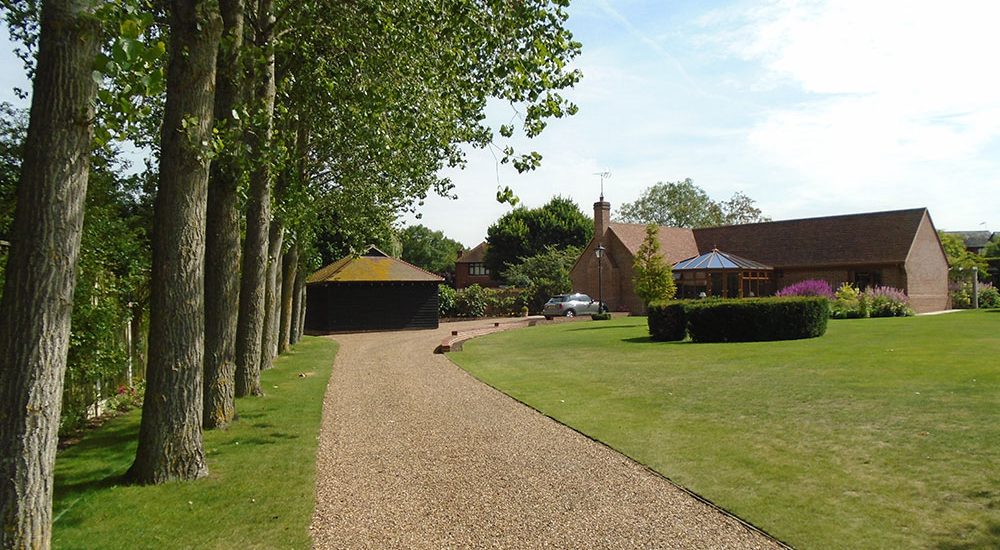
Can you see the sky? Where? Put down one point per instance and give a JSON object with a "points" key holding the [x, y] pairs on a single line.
{"points": [[811, 108]]}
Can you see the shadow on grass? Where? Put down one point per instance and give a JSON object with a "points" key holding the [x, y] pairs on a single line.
{"points": [[97, 462], [615, 327], [649, 340], [987, 536]]}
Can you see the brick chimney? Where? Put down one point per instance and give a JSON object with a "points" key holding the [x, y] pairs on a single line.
{"points": [[602, 217]]}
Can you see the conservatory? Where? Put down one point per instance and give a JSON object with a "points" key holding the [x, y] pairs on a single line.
{"points": [[723, 275]]}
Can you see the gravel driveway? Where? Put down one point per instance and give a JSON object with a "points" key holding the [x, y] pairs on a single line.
{"points": [[415, 453]]}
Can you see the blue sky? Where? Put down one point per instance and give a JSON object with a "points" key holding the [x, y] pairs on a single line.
{"points": [[812, 108]]}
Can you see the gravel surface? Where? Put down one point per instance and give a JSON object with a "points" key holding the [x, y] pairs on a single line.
{"points": [[415, 453]]}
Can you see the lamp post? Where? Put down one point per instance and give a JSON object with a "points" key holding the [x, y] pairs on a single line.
{"points": [[975, 287], [599, 251]]}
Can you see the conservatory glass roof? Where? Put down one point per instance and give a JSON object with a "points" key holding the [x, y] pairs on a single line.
{"points": [[717, 259]]}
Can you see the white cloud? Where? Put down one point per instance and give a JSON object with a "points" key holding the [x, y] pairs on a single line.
{"points": [[879, 104]]}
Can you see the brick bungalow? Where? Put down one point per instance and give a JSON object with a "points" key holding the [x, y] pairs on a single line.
{"points": [[899, 248], [470, 269]]}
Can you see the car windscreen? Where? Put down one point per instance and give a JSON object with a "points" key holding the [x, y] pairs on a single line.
{"points": [[558, 299]]}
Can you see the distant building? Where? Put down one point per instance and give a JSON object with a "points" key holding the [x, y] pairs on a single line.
{"points": [[900, 249], [975, 241], [471, 270]]}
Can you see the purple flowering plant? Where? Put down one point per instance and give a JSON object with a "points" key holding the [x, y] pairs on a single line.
{"points": [[885, 301], [809, 287]]}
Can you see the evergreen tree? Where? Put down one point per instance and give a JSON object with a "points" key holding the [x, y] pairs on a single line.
{"points": [[652, 277]]}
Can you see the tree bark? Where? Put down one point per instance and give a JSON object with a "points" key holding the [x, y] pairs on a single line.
{"points": [[222, 244], [40, 280], [170, 439], [269, 338], [289, 269], [253, 286], [301, 288], [297, 296], [138, 351]]}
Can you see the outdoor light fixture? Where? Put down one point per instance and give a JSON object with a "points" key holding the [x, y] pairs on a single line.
{"points": [[599, 251], [975, 287]]}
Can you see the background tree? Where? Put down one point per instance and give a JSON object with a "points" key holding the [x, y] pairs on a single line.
{"points": [[429, 249], [960, 257], [222, 232], [652, 277], [684, 204], [992, 248], [40, 276], [523, 232], [741, 209], [544, 275]]}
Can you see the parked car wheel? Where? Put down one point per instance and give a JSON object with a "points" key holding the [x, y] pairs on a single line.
{"points": [[570, 313]]}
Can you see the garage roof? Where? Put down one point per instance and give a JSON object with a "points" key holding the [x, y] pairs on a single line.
{"points": [[372, 266]]}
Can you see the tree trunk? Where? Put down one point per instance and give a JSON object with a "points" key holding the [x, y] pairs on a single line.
{"points": [[41, 269], [301, 288], [253, 284], [269, 338], [222, 244], [170, 440], [289, 267], [138, 338], [296, 329]]}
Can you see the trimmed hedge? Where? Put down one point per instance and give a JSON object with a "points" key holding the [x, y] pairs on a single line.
{"points": [[757, 319], [667, 320]]}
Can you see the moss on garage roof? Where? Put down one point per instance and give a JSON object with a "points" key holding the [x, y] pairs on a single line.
{"points": [[372, 266]]}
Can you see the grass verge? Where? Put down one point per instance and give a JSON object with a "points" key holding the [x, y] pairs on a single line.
{"points": [[882, 434], [260, 491]]}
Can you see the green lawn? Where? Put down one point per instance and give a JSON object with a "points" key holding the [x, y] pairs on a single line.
{"points": [[884, 433], [260, 491]]}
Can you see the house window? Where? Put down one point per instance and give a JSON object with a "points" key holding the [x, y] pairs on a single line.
{"points": [[478, 269], [865, 279]]}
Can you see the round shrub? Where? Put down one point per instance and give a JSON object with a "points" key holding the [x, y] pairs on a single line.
{"points": [[757, 320], [667, 321]]}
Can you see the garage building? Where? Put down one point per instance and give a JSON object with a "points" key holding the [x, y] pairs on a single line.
{"points": [[373, 291]]}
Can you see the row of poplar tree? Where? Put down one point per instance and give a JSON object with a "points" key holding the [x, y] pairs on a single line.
{"points": [[267, 119]]}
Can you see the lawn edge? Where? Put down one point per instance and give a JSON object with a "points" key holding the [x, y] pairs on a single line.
{"points": [[746, 524]]}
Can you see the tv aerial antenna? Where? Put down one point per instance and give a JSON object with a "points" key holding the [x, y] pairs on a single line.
{"points": [[604, 175]]}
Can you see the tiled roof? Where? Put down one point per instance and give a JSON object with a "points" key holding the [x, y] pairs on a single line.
{"points": [[676, 243], [717, 259], [873, 238], [475, 255], [973, 239], [373, 266]]}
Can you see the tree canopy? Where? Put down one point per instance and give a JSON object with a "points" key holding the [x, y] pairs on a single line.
{"points": [[544, 274], [959, 257], [525, 232], [684, 204], [429, 249], [327, 121], [992, 248]]}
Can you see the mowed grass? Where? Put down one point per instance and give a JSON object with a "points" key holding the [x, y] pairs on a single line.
{"points": [[884, 433], [260, 492]]}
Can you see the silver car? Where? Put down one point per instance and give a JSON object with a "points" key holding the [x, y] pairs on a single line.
{"points": [[570, 305]]}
